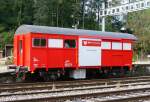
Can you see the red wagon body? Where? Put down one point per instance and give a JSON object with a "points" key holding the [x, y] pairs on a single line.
{"points": [[49, 48]]}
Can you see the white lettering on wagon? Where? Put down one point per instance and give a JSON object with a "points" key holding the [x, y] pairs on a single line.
{"points": [[68, 63], [35, 65], [91, 43], [35, 59]]}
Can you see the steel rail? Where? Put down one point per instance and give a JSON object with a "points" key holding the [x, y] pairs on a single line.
{"points": [[128, 99], [63, 86], [75, 81], [84, 96], [49, 90], [42, 86]]}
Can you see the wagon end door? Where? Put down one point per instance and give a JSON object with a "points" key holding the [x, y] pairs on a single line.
{"points": [[15, 50], [70, 52], [39, 52], [20, 51]]}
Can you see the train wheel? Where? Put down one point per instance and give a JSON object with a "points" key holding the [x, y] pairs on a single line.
{"points": [[28, 77], [46, 77], [50, 77], [53, 76]]}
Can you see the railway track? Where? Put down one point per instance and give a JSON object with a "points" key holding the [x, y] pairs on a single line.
{"points": [[69, 84], [78, 94], [62, 88]]}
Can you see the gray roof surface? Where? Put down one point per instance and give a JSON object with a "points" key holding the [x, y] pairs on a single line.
{"points": [[23, 29]]}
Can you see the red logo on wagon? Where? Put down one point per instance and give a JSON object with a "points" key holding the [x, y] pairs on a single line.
{"points": [[90, 43]]}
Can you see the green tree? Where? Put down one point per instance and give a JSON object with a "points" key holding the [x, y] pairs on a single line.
{"points": [[7, 18], [59, 13], [41, 12], [23, 9], [140, 23]]}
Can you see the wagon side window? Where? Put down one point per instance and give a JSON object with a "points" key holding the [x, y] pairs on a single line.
{"points": [[69, 43], [43, 42], [37, 42], [55, 43], [116, 45], [106, 45], [127, 46]]}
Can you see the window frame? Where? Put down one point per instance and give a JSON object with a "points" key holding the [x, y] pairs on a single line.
{"points": [[70, 40], [40, 43], [124, 47], [115, 42], [55, 46], [108, 42]]}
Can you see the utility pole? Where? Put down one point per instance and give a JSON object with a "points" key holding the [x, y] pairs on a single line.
{"points": [[83, 14], [103, 18]]}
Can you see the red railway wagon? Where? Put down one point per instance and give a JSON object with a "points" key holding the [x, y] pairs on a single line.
{"points": [[52, 52]]}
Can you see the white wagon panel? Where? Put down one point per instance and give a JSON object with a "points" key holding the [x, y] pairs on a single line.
{"points": [[89, 52]]}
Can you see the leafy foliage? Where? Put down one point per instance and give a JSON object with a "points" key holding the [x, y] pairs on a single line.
{"points": [[60, 13], [140, 23]]}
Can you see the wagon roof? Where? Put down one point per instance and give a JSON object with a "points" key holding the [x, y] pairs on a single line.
{"points": [[23, 29]]}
